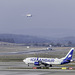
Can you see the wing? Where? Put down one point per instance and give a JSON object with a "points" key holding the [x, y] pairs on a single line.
{"points": [[38, 63], [44, 63]]}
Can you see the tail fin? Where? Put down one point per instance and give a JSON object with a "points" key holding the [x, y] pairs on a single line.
{"points": [[69, 55]]}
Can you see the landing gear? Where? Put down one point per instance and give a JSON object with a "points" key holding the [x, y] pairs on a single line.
{"points": [[50, 65], [28, 64]]}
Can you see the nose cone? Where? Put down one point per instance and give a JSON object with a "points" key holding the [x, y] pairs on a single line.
{"points": [[24, 60]]}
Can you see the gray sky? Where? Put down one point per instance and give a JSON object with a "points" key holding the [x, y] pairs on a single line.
{"points": [[50, 18]]}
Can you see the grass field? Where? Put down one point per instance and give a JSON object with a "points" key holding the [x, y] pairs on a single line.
{"points": [[57, 52]]}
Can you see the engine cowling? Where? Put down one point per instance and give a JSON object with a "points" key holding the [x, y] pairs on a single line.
{"points": [[36, 63]]}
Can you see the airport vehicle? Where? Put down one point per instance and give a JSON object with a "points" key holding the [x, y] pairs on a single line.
{"points": [[48, 62]]}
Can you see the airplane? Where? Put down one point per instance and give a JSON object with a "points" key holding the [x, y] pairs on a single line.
{"points": [[49, 48], [48, 62], [29, 15]]}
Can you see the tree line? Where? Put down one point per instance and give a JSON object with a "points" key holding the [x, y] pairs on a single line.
{"points": [[9, 40]]}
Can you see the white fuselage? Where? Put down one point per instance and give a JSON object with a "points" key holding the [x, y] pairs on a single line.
{"points": [[32, 60]]}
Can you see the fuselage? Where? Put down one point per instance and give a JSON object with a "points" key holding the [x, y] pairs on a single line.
{"points": [[32, 60]]}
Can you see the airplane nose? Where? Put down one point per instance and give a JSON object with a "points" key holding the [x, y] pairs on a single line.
{"points": [[24, 60]]}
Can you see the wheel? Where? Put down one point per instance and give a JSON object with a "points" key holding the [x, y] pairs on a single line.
{"points": [[50, 65], [28, 64]]}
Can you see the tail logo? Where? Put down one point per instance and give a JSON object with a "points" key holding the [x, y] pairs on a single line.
{"points": [[69, 56]]}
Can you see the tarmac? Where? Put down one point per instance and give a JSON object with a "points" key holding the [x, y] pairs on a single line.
{"points": [[19, 68], [36, 72]]}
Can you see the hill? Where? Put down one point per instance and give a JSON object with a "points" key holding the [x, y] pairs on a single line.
{"points": [[13, 38], [37, 41]]}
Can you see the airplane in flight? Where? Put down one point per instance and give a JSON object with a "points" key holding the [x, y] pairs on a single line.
{"points": [[48, 62]]}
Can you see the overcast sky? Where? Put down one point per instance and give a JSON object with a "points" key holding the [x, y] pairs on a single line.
{"points": [[50, 18]]}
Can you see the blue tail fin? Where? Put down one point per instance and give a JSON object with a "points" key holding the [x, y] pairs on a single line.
{"points": [[69, 55]]}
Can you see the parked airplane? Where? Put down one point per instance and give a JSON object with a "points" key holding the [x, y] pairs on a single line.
{"points": [[48, 62]]}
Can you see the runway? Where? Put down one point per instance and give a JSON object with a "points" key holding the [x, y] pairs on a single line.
{"points": [[25, 52], [37, 72]]}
